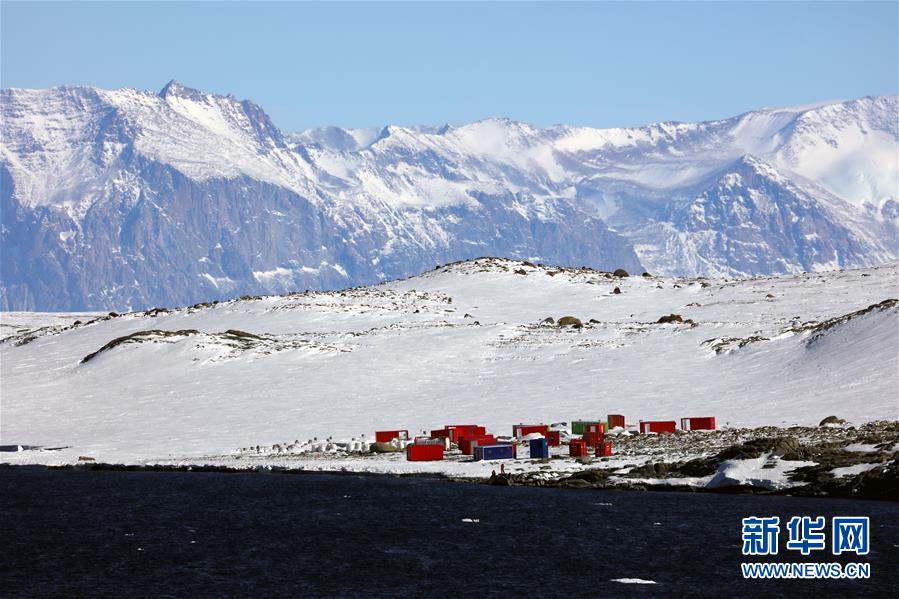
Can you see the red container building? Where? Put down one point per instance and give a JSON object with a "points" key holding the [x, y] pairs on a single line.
{"points": [[553, 438], [658, 426], [388, 436], [577, 448], [455, 431], [604, 449], [616, 421], [424, 453], [698, 423], [521, 430], [594, 433], [467, 444]]}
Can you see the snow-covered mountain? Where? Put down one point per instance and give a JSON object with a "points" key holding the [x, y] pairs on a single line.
{"points": [[466, 342], [129, 199]]}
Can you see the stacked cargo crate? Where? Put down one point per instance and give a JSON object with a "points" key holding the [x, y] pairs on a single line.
{"points": [[467, 444], [594, 433]]}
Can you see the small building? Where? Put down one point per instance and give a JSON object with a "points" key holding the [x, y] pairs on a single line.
{"points": [[428, 452], [615, 421], [698, 423], [553, 438], [577, 448], [658, 426], [594, 432], [388, 436], [495, 451], [522, 430], [539, 449], [604, 449]]}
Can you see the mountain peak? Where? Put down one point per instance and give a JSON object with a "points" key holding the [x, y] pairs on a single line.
{"points": [[175, 89]]}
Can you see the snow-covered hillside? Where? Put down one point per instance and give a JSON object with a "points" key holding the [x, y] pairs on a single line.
{"points": [[117, 199], [463, 343]]}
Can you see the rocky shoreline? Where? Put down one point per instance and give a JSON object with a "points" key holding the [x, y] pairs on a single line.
{"points": [[871, 449]]}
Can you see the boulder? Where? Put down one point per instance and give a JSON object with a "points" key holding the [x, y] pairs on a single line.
{"points": [[576, 483], [831, 420], [521, 271], [670, 318], [594, 475], [616, 291], [548, 320], [570, 321], [620, 273], [786, 447], [241, 334]]}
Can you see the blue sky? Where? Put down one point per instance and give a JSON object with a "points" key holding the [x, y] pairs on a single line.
{"points": [[599, 64]]}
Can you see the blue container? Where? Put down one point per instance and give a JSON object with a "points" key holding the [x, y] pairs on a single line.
{"points": [[496, 451], [539, 449]]}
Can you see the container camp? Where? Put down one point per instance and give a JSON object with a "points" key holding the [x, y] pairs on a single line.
{"points": [[594, 433], [698, 423], [426, 452], [657, 426], [615, 421], [604, 449], [577, 448], [539, 449], [496, 451], [522, 430], [467, 444], [388, 436], [553, 438]]}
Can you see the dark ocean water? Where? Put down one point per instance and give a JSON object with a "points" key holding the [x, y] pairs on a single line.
{"points": [[103, 533]]}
